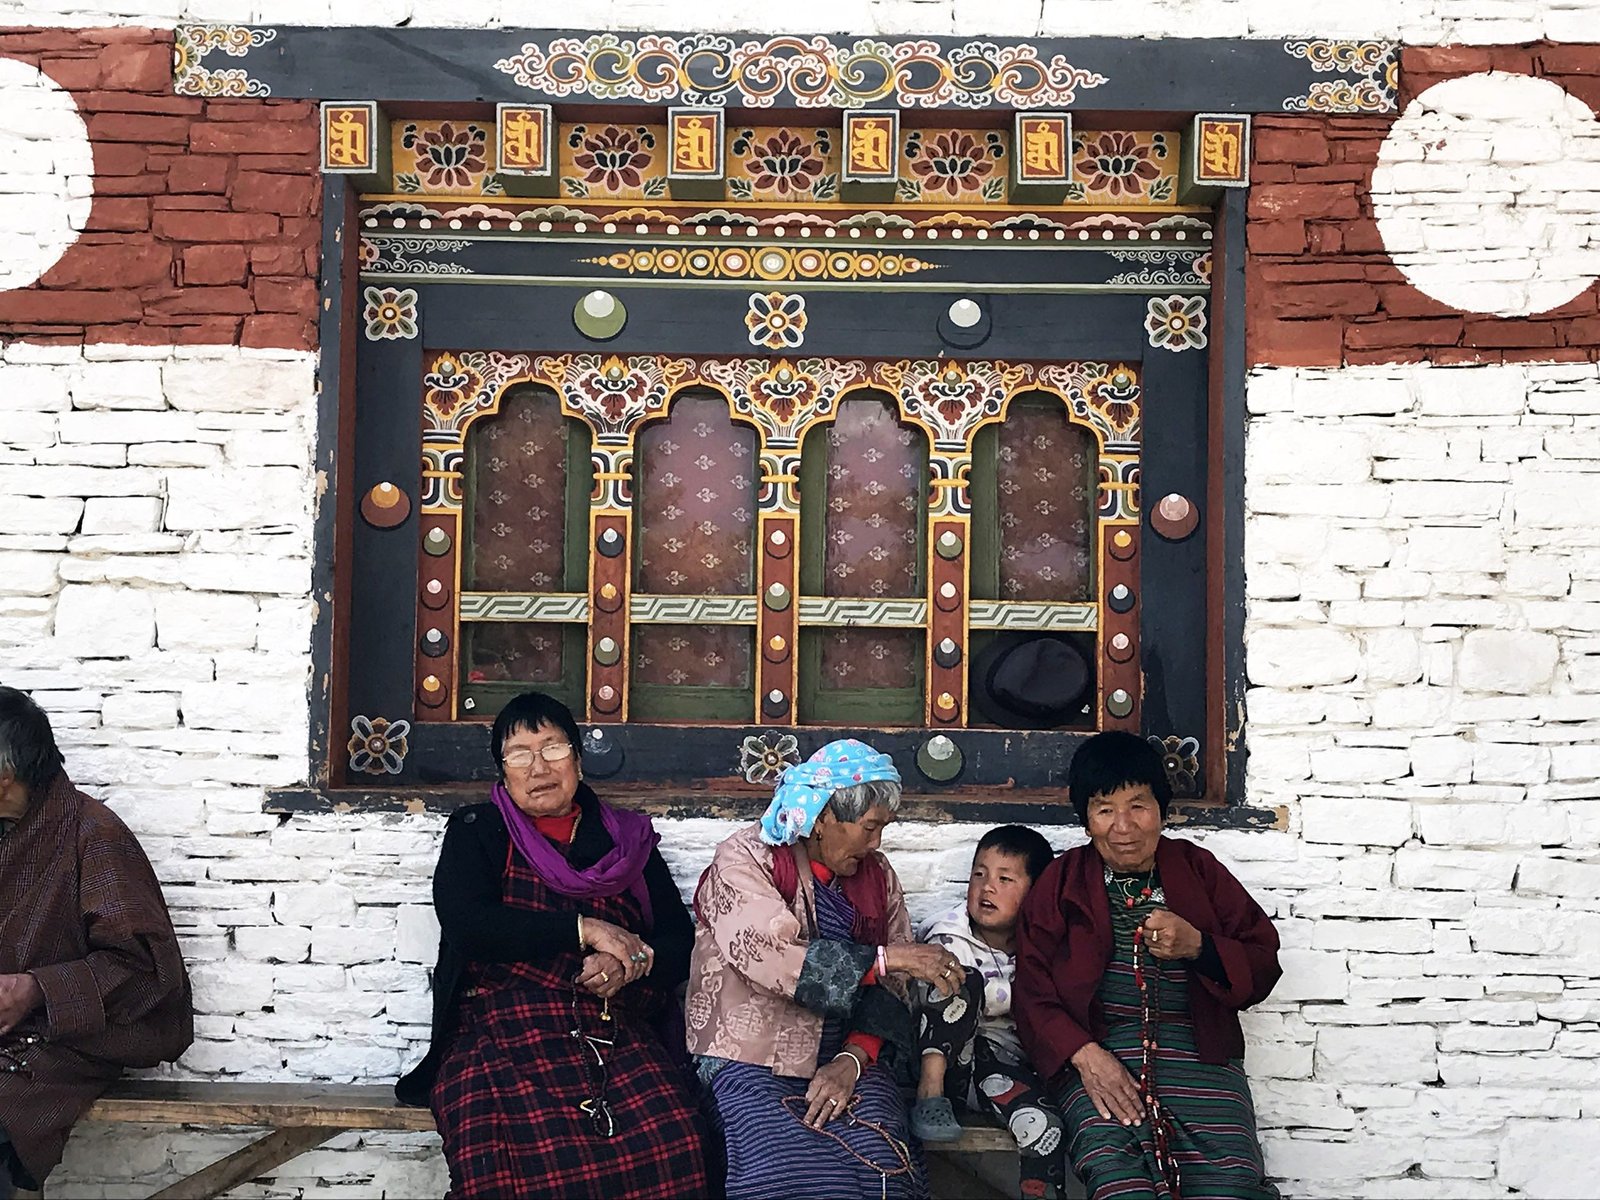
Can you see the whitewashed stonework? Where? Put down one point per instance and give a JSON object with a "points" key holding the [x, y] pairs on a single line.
{"points": [[1423, 640]]}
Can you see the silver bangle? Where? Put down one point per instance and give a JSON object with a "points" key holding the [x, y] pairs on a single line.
{"points": [[854, 1059]]}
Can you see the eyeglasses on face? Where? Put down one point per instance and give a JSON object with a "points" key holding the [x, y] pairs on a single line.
{"points": [[522, 757]]}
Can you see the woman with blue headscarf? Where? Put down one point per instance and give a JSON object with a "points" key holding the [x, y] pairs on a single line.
{"points": [[797, 987]]}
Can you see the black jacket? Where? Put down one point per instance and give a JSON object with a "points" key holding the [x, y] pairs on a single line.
{"points": [[475, 927]]}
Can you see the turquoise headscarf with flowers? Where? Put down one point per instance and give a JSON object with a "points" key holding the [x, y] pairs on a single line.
{"points": [[805, 788]]}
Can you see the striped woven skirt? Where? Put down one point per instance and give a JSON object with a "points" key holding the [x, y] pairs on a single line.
{"points": [[774, 1155], [1212, 1118]]}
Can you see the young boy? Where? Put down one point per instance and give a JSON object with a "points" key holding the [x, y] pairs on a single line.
{"points": [[970, 1050]]}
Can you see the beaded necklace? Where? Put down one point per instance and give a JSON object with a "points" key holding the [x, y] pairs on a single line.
{"points": [[1148, 981], [795, 1106]]}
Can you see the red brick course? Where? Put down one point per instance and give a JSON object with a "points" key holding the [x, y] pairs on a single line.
{"points": [[1321, 291], [205, 226]]}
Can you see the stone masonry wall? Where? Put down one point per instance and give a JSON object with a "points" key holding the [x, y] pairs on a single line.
{"points": [[1423, 630], [205, 225], [1322, 288], [1425, 707]]}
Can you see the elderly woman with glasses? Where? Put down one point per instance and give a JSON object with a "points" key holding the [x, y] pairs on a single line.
{"points": [[798, 982], [562, 939]]}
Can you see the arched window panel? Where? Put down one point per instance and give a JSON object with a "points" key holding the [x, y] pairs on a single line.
{"points": [[528, 476], [1033, 540], [863, 510], [1033, 496], [695, 506]]}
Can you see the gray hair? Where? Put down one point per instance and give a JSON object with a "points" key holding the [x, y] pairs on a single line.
{"points": [[856, 801]]}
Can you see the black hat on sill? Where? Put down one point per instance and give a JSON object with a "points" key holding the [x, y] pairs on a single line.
{"points": [[1029, 680]]}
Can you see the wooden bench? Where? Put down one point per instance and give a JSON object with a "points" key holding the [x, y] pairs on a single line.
{"points": [[302, 1116]]}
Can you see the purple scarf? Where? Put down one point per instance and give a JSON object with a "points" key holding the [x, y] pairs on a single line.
{"points": [[619, 870]]}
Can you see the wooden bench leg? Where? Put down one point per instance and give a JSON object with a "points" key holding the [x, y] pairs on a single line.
{"points": [[255, 1159]]}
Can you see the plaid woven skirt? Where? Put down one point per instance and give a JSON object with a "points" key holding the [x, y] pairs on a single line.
{"points": [[509, 1088]]}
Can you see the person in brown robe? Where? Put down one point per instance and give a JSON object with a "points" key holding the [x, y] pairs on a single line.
{"points": [[91, 976]]}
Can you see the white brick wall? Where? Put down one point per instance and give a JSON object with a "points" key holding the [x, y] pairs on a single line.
{"points": [[1418, 22], [1424, 654], [1433, 747], [1429, 734]]}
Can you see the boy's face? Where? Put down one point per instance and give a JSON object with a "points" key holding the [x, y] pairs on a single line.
{"points": [[996, 890]]}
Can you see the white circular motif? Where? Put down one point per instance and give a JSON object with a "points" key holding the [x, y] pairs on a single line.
{"points": [[46, 174], [1486, 194], [1027, 1125], [955, 1009], [994, 1086]]}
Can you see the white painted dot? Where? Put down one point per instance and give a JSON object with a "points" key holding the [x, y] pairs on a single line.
{"points": [[515, 227], [1487, 194], [425, 223]]}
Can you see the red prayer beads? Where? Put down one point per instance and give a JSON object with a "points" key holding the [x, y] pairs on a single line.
{"points": [[1149, 1020]]}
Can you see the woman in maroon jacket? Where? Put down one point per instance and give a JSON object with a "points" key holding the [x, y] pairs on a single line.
{"points": [[1135, 954]]}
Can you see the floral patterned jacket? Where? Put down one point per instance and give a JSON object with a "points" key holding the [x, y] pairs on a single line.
{"points": [[760, 980]]}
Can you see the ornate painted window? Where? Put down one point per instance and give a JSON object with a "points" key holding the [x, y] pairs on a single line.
{"points": [[741, 434]]}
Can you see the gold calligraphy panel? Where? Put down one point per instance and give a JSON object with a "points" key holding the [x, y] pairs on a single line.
{"points": [[349, 138], [523, 140], [1220, 150], [695, 143], [872, 146], [1043, 144]]}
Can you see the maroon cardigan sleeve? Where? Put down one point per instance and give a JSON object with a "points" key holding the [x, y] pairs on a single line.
{"points": [[1050, 1033], [1244, 936]]}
